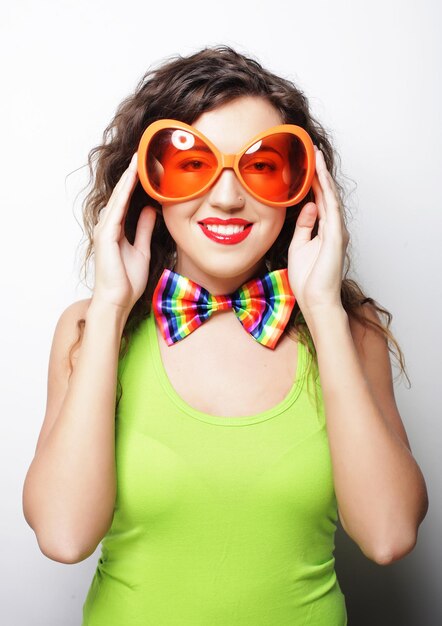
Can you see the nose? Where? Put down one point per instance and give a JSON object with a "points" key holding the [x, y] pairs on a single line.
{"points": [[227, 193]]}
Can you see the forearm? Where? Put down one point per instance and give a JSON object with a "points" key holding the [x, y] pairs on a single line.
{"points": [[70, 488], [379, 487]]}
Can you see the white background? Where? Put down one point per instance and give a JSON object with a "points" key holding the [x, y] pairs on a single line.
{"points": [[371, 71]]}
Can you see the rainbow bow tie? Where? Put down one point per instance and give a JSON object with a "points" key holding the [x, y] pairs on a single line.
{"points": [[262, 305]]}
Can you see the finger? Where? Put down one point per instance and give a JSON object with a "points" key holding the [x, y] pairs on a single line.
{"points": [[115, 191], [322, 215], [123, 182], [304, 225], [319, 197], [329, 192], [127, 188], [145, 226], [119, 201], [330, 204]]}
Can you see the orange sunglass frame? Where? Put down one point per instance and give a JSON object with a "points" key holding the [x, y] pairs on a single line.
{"points": [[225, 161]]}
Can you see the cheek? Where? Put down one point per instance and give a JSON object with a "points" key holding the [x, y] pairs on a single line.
{"points": [[278, 220], [177, 216], [180, 225], [173, 219], [278, 225], [168, 220]]}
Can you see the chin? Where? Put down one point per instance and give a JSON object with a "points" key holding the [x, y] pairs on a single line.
{"points": [[231, 270]]}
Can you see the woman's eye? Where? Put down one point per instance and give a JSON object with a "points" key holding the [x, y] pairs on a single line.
{"points": [[193, 165], [262, 166]]}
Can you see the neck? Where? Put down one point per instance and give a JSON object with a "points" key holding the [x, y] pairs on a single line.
{"points": [[219, 285]]}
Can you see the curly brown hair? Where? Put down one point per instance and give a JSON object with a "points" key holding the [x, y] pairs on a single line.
{"points": [[182, 88]]}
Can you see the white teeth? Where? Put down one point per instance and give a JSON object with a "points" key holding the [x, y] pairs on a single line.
{"points": [[224, 230]]}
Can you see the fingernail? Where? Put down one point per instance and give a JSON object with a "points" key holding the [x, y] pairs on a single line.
{"points": [[132, 163]]}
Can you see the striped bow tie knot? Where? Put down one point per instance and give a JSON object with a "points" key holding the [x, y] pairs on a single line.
{"points": [[262, 305]]}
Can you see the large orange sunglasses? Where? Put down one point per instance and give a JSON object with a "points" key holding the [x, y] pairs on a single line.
{"points": [[177, 163]]}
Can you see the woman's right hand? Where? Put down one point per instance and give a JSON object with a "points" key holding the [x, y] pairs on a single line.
{"points": [[122, 270]]}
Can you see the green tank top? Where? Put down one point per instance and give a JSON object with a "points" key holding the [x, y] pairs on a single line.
{"points": [[218, 521]]}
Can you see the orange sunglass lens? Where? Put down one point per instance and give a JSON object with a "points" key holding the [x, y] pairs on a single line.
{"points": [[179, 163], [275, 167]]}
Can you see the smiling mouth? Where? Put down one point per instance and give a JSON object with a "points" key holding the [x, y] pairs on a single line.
{"points": [[226, 234], [230, 229]]}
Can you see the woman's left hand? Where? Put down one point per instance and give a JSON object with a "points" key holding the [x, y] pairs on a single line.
{"points": [[315, 266]]}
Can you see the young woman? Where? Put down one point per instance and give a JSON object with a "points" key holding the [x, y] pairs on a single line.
{"points": [[227, 392]]}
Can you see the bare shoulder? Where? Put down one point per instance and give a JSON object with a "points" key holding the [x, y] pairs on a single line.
{"points": [[76, 309], [374, 356], [67, 324], [359, 330], [65, 344], [67, 334]]}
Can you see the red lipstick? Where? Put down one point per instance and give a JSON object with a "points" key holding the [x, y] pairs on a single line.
{"points": [[223, 237], [233, 220]]}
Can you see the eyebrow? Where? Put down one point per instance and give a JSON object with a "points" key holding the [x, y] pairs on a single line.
{"points": [[176, 150], [207, 149], [263, 149], [204, 148]]}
